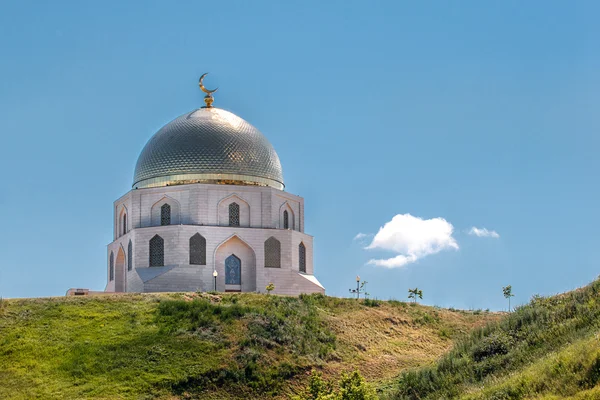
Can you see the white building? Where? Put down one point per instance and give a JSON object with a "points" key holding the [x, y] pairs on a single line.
{"points": [[208, 196]]}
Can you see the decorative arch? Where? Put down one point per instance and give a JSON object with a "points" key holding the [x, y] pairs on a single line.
{"points": [[302, 257], [157, 251], [197, 250], [227, 208], [236, 246], [272, 253], [158, 213], [286, 213]]}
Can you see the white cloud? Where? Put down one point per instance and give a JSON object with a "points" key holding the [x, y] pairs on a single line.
{"points": [[482, 232], [412, 238], [361, 236]]}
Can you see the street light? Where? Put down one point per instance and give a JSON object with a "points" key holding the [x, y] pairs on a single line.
{"points": [[215, 274], [357, 290]]}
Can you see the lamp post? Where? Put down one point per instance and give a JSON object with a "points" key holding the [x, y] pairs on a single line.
{"points": [[215, 274], [357, 290]]}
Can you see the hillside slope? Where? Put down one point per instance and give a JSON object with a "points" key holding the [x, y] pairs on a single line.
{"points": [[548, 349], [172, 346]]}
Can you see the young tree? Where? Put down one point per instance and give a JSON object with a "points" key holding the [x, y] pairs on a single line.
{"points": [[414, 293], [363, 288], [507, 290], [270, 287]]}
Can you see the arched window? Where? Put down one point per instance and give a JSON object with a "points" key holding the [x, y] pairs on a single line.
{"points": [[286, 220], [233, 270], [111, 269], [129, 256], [234, 214], [302, 258], [124, 224], [197, 250], [165, 214], [272, 253], [157, 251]]}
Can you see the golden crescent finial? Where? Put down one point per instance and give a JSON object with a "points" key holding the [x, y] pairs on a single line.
{"points": [[203, 88], [208, 99]]}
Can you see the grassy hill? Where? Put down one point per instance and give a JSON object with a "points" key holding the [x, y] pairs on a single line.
{"points": [[185, 346], [548, 349]]}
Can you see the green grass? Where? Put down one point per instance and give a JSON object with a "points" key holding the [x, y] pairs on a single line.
{"points": [[209, 346], [574, 371], [546, 348]]}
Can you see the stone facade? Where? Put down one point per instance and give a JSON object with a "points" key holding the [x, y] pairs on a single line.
{"points": [[205, 209]]}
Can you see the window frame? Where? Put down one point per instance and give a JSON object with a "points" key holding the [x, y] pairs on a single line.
{"points": [[302, 257], [272, 251], [165, 214], [199, 253], [234, 214], [156, 259], [286, 219], [129, 256], [111, 269]]}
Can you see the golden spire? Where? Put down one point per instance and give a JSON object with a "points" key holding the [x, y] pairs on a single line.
{"points": [[208, 99]]}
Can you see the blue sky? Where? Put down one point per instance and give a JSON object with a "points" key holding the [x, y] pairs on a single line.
{"points": [[472, 114]]}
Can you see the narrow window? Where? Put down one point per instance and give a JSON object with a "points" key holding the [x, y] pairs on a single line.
{"points": [[157, 251], [197, 250], [272, 253], [234, 214], [111, 269], [302, 258], [129, 256], [233, 270], [124, 224], [286, 222], [165, 214]]}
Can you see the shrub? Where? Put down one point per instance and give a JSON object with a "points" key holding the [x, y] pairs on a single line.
{"points": [[371, 302], [593, 375], [497, 343], [354, 387], [350, 387]]}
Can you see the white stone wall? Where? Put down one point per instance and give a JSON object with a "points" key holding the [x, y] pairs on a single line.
{"points": [[202, 204], [204, 209]]}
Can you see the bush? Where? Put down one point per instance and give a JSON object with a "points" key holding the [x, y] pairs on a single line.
{"points": [[498, 343], [371, 302], [593, 375], [350, 387]]}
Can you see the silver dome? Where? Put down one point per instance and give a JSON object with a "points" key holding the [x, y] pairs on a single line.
{"points": [[208, 145]]}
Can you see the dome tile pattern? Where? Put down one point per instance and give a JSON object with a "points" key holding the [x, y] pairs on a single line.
{"points": [[209, 144]]}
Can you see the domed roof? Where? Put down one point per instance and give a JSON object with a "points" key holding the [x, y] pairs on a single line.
{"points": [[208, 145]]}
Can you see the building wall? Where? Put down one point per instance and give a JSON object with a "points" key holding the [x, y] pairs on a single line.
{"points": [[204, 209], [202, 204]]}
